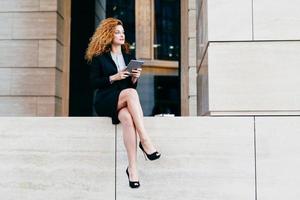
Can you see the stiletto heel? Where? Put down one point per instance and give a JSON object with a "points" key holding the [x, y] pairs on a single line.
{"points": [[153, 156], [145, 156], [132, 184]]}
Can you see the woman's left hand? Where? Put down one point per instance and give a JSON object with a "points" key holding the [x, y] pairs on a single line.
{"points": [[136, 73]]}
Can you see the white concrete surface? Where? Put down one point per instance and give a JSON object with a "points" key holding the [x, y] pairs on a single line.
{"points": [[202, 158], [278, 161], [253, 78], [229, 20], [192, 81], [276, 20], [207, 158], [192, 91], [244, 20], [193, 105], [220, 20], [57, 158]]}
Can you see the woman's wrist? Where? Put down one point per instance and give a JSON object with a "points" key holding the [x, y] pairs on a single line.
{"points": [[134, 79]]}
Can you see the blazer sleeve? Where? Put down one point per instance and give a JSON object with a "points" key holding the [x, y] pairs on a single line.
{"points": [[97, 80]]}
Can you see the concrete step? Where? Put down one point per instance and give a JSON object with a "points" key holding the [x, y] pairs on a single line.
{"points": [[202, 158], [208, 158], [57, 158]]}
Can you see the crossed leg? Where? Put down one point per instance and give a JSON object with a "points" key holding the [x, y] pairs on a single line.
{"points": [[129, 139], [131, 118]]}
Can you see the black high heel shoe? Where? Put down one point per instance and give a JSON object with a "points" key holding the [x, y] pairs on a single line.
{"points": [[132, 184], [152, 156]]}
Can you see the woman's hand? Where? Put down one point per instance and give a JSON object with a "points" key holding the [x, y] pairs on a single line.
{"points": [[136, 73], [119, 76]]}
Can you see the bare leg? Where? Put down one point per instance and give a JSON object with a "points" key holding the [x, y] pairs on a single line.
{"points": [[129, 138], [130, 98]]}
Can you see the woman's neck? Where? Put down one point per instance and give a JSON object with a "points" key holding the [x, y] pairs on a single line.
{"points": [[116, 49]]}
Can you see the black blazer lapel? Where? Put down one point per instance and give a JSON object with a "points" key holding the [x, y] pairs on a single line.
{"points": [[109, 58], [127, 58]]}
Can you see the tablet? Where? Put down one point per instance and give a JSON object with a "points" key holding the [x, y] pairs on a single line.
{"points": [[134, 64]]}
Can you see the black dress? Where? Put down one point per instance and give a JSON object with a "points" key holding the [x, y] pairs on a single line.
{"points": [[107, 94]]}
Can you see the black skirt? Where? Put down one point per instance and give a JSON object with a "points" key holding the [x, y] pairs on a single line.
{"points": [[106, 104], [107, 95]]}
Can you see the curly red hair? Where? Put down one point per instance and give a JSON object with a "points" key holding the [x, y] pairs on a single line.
{"points": [[102, 38]]}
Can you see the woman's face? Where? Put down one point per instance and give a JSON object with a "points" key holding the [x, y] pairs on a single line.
{"points": [[119, 36]]}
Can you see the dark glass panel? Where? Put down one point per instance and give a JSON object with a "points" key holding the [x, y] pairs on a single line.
{"points": [[167, 29]]}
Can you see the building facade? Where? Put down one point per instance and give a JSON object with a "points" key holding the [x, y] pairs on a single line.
{"points": [[238, 58], [247, 57], [34, 41], [36, 57]]}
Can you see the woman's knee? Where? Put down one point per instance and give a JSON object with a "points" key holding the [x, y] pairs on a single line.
{"points": [[130, 93], [125, 117]]}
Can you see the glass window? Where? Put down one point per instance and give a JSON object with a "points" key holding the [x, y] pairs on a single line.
{"points": [[159, 94], [125, 11], [166, 29], [166, 95]]}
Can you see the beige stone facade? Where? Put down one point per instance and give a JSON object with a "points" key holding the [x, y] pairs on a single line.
{"points": [[34, 57], [247, 58], [35, 48], [222, 68]]}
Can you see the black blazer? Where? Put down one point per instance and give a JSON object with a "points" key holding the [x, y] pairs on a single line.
{"points": [[106, 99]]}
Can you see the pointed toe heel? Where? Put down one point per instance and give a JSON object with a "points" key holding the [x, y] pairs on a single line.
{"points": [[154, 156], [132, 184]]}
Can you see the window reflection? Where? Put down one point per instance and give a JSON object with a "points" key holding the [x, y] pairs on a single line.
{"points": [[166, 29], [159, 94]]}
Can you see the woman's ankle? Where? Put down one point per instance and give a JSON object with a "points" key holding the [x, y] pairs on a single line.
{"points": [[132, 167], [145, 140]]}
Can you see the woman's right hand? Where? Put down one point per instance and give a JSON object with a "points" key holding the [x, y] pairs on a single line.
{"points": [[119, 76]]}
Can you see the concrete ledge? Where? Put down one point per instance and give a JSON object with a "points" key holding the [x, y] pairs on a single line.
{"points": [[57, 158], [278, 160], [202, 158]]}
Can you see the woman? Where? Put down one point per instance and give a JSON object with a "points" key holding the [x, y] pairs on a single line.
{"points": [[108, 54]]}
